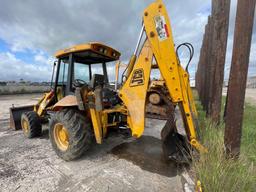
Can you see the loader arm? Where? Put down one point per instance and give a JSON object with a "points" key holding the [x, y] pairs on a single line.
{"points": [[159, 42]]}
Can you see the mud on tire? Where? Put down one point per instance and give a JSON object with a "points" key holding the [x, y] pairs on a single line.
{"points": [[31, 124], [79, 131]]}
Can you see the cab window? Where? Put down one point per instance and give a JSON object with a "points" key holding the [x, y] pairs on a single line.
{"points": [[63, 73], [97, 69], [62, 79], [81, 71]]}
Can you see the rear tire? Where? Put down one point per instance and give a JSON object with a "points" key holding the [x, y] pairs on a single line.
{"points": [[31, 124], [77, 134]]}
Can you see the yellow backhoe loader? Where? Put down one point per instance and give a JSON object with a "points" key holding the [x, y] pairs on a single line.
{"points": [[81, 106]]}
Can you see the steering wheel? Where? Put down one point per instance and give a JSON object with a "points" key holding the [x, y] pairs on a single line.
{"points": [[79, 83]]}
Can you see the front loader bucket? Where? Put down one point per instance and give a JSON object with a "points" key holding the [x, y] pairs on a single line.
{"points": [[15, 115]]}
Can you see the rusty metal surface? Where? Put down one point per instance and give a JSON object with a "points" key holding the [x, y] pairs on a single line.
{"points": [[210, 72], [204, 68], [15, 115], [238, 76], [199, 68], [67, 101], [157, 111], [220, 17], [200, 71], [208, 67], [174, 145], [162, 109], [154, 98]]}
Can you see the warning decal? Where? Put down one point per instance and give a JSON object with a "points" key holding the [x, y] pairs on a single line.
{"points": [[161, 28]]}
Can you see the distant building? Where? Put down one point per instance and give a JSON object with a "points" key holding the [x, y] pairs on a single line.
{"points": [[22, 81], [46, 83], [10, 83], [35, 83]]}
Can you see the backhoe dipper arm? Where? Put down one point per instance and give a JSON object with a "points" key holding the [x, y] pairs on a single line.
{"points": [[159, 44], [159, 34]]}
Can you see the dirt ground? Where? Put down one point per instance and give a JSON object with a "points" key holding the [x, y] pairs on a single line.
{"points": [[120, 164], [250, 95]]}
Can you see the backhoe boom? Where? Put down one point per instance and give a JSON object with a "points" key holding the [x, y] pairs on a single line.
{"points": [[158, 44]]}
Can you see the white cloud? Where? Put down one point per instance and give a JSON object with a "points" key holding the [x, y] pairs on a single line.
{"points": [[51, 25], [13, 68], [42, 58], [252, 62], [47, 25]]}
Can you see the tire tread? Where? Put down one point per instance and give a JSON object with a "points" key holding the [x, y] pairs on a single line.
{"points": [[80, 133], [35, 126]]}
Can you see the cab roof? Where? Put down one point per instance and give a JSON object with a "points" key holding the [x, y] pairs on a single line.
{"points": [[93, 52]]}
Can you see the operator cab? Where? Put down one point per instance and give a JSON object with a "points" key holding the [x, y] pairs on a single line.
{"points": [[82, 65]]}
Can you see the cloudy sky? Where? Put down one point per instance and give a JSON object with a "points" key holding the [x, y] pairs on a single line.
{"points": [[31, 31]]}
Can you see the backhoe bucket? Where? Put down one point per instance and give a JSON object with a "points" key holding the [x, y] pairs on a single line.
{"points": [[15, 115], [175, 146]]}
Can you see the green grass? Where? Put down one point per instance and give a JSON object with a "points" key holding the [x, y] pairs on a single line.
{"points": [[214, 170], [249, 132]]}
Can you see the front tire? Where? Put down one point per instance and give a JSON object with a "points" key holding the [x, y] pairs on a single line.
{"points": [[31, 124], [70, 134]]}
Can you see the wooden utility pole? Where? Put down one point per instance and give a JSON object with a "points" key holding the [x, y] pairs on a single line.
{"points": [[201, 65], [210, 74], [238, 76], [199, 71], [220, 17], [202, 70], [208, 66]]}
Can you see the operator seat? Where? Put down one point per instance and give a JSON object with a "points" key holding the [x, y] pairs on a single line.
{"points": [[106, 97], [97, 80]]}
